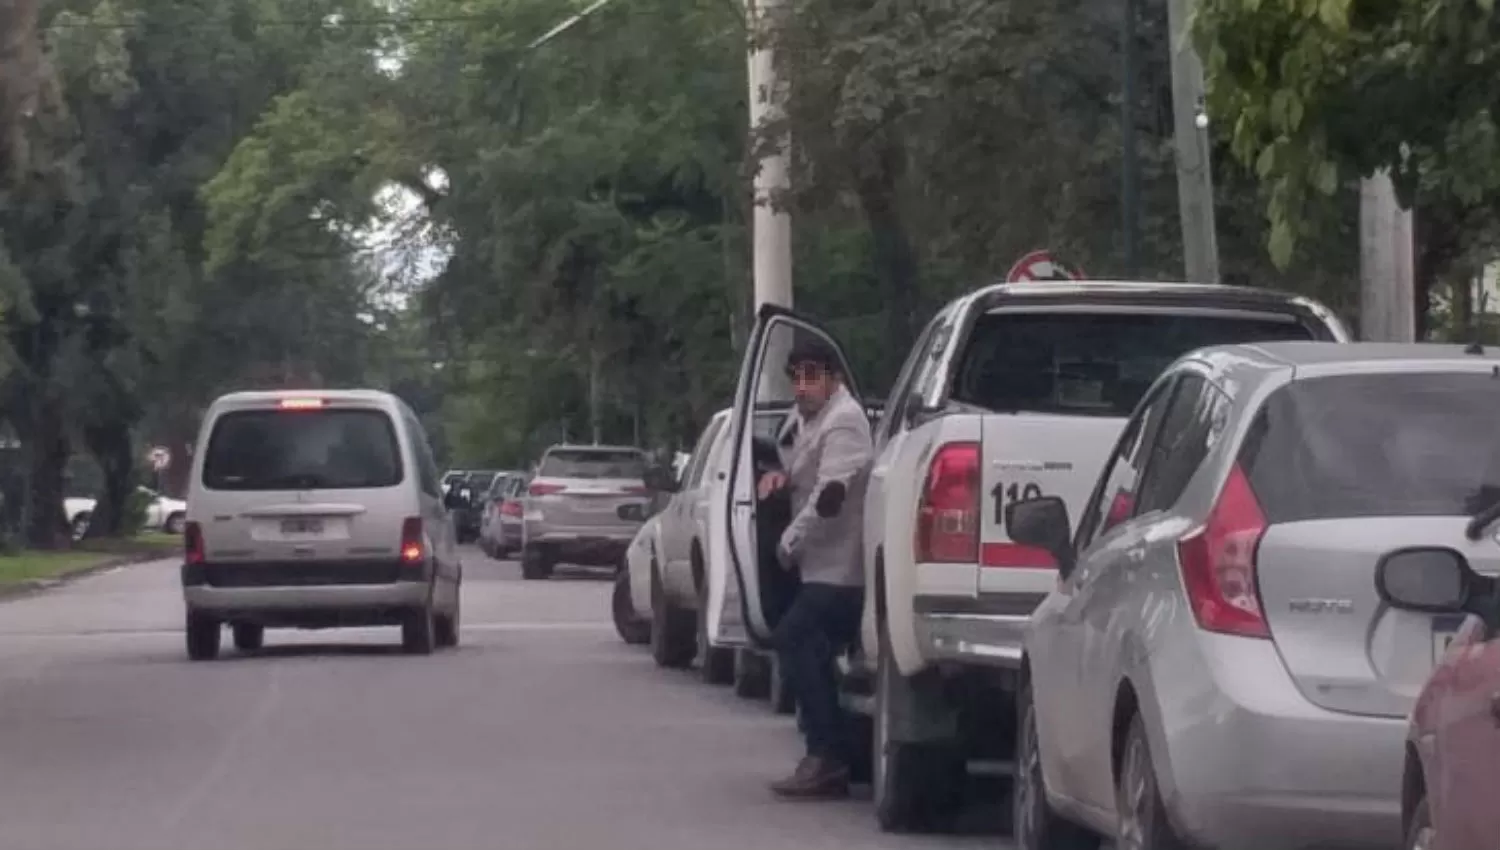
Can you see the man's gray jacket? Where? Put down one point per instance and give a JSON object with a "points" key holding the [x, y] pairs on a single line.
{"points": [[833, 448]]}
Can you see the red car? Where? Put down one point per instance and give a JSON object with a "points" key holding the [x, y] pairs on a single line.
{"points": [[1452, 774]]}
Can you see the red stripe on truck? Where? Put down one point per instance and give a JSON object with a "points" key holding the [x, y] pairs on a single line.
{"points": [[1016, 556]]}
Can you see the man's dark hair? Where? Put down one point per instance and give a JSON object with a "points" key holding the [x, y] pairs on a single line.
{"points": [[812, 350]]}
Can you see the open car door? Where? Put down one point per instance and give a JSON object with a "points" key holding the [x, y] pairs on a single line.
{"points": [[746, 586]]}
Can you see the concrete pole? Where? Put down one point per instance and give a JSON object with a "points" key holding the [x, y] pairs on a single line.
{"points": [[1387, 264], [1195, 181], [771, 228]]}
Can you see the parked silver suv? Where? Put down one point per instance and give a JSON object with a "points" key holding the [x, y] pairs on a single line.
{"points": [[583, 507]]}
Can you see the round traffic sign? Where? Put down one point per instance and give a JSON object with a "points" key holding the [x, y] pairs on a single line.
{"points": [[1039, 265], [161, 457]]}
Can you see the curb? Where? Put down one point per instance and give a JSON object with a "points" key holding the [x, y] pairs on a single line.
{"points": [[30, 586]]}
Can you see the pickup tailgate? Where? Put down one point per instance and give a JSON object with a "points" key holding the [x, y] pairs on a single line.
{"points": [[1026, 456]]}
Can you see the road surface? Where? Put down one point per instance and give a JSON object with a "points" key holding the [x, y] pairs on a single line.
{"points": [[542, 731]]}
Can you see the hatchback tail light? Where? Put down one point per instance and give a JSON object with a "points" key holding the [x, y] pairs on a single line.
{"points": [[413, 547], [1218, 563], [948, 514], [510, 507], [541, 489], [192, 544]]}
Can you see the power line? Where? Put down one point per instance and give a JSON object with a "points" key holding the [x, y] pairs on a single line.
{"points": [[332, 22]]}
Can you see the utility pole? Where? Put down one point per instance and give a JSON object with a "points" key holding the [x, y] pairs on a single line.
{"points": [[1130, 165], [771, 227], [1387, 264], [1195, 181]]}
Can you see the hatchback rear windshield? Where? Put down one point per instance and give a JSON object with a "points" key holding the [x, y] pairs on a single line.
{"points": [[593, 463], [1376, 445], [1092, 364], [302, 450]]}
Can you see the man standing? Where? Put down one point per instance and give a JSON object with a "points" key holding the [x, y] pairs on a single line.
{"points": [[826, 467]]}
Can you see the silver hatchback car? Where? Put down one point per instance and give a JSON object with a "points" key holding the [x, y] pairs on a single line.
{"points": [[583, 506], [1215, 667]]}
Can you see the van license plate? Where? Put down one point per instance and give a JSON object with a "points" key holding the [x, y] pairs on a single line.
{"points": [[1444, 630], [302, 526]]}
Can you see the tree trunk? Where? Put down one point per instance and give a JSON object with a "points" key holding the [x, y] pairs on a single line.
{"points": [[111, 447], [48, 450]]}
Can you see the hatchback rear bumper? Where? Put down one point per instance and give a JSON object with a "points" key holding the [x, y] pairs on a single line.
{"points": [[1250, 763]]}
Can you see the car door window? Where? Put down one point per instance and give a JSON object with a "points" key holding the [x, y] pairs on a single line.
{"points": [[1197, 412], [892, 421], [693, 472], [1115, 495]]}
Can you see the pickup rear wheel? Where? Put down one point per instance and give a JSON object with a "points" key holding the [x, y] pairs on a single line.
{"points": [[919, 785], [536, 563], [203, 636], [673, 630]]}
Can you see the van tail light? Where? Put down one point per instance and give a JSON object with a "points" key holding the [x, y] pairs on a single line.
{"points": [[540, 489], [948, 513], [510, 507], [192, 544], [1218, 563], [413, 550]]}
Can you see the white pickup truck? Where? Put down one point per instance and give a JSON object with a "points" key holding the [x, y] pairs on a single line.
{"points": [[1011, 392]]}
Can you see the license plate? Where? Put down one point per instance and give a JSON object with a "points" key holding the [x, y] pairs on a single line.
{"points": [[302, 526], [1444, 630]]}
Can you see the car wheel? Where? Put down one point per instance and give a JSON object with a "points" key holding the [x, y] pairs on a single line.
{"points": [[783, 701], [203, 636], [80, 525], [175, 523], [632, 628], [419, 631], [535, 563], [715, 663], [918, 785], [673, 643], [1034, 823], [1421, 835], [1143, 823], [752, 674], [446, 626], [248, 637]]}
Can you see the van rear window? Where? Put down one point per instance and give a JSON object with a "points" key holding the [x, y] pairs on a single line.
{"points": [[327, 449], [1092, 364]]}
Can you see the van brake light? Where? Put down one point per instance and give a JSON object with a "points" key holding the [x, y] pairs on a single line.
{"points": [[301, 403]]}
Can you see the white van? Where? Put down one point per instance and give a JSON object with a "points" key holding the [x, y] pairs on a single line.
{"points": [[316, 509]]}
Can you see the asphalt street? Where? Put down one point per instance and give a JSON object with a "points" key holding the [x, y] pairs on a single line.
{"points": [[542, 731]]}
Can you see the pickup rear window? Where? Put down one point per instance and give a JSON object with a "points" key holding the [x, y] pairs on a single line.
{"points": [[1391, 445], [329, 449], [1092, 364], [592, 463]]}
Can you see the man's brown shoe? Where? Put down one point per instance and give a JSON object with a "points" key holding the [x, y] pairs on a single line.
{"points": [[814, 779]]}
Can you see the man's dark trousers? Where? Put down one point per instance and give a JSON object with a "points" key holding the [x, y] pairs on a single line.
{"points": [[822, 620]]}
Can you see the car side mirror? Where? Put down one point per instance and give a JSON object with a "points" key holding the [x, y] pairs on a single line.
{"points": [[660, 479], [1433, 580], [1043, 524]]}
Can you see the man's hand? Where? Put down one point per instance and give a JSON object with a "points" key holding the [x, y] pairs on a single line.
{"points": [[784, 556], [770, 483]]}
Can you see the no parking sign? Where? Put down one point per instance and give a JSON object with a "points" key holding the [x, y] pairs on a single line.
{"points": [[1039, 266]]}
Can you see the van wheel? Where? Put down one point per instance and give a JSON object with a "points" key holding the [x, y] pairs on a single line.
{"points": [[1035, 825], [1142, 815], [175, 523], [715, 663], [445, 627], [203, 636], [535, 564], [673, 630], [418, 631], [752, 674], [918, 784], [248, 637]]}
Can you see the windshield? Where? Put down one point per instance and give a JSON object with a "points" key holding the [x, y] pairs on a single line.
{"points": [[1092, 364], [1377, 445], [302, 450], [593, 463]]}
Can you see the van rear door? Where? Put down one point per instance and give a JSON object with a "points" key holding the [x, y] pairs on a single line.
{"points": [[303, 480]]}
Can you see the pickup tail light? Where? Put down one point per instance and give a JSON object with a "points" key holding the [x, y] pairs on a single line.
{"points": [[1218, 563], [413, 548], [948, 512], [192, 544], [542, 489]]}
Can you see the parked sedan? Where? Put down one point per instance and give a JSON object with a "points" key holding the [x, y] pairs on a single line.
{"points": [[500, 529], [1215, 667], [163, 513]]}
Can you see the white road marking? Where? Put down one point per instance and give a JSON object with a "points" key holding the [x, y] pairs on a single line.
{"points": [[578, 626]]}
